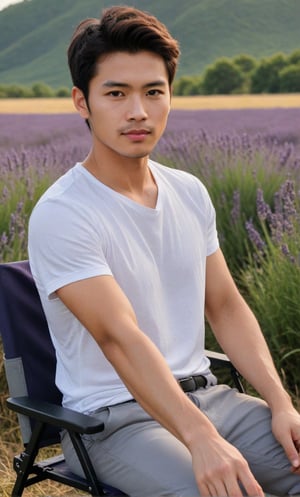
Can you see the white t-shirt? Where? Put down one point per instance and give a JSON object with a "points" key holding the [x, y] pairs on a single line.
{"points": [[81, 228]]}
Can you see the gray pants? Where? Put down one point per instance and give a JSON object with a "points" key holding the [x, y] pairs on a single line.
{"points": [[137, 455]]}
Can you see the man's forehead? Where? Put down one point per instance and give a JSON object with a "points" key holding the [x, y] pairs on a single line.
{"points": [[118, 66]]}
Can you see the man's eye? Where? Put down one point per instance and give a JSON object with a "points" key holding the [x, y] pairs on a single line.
{"points": [[116, 93], [154, 93]]}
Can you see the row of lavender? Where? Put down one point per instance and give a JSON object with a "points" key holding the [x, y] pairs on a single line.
{"points": [[250, 163]]}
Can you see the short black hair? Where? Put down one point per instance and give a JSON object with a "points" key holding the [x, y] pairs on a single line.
{"points": [[120, 28]]}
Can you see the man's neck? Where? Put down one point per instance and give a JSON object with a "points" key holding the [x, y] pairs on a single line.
{"points": [[130, 177]]}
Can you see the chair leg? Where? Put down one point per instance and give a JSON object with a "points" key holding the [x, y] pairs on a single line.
{"points": [[237, 381], [96, 489], [27, 459]]}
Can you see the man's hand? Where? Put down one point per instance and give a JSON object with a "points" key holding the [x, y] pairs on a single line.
{"points": [[220, 468], [286, 429]]}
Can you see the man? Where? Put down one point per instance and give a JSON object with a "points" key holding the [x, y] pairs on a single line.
{"points": [[125, 255]]}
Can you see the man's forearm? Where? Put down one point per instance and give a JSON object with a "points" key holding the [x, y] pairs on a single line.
{"points": [[149, 379]]}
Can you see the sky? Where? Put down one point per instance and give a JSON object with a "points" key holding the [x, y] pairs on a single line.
{"points": [[6, 3]]}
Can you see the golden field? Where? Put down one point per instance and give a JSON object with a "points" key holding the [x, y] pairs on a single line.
{"points": [[65, 105]]}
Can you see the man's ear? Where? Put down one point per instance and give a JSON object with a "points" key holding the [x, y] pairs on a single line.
{"points": [[80, 102]]}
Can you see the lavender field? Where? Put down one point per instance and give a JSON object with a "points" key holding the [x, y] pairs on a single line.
{"points": [[280, 125], [248, 159], [250, 162]]}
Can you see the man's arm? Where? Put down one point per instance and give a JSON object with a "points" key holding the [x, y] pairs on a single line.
{"points": [[104, 310], [239, 335]]}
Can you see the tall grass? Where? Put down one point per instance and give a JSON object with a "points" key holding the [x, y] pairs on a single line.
{"points": [[271, 279], [19, 189]]}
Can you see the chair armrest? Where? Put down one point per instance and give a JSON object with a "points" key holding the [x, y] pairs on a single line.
{"points": [[55, 415], [218, 359]]}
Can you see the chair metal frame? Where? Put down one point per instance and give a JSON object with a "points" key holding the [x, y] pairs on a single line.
{"points": [[44, 410]]}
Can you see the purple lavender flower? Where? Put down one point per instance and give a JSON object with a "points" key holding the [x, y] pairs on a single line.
{"points": [[236, 209], [263, 209], [255, 237]]}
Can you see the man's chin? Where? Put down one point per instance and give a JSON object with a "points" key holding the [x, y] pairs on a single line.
{"points": [[138, 155]]}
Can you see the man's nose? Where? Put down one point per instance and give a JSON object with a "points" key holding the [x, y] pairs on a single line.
{"points": [[136, 109]]}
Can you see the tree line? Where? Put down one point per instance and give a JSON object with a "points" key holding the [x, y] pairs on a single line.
{"points": [[243, 73], [279, 73], [37, 90]]}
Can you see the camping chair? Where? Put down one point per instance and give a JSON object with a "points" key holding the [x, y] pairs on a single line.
{"points": [[30, 371]]}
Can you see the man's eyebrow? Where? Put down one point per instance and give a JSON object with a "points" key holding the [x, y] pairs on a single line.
{"points": [[158, 82], [113, 84]]}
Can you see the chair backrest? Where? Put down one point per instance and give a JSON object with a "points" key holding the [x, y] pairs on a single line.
{"points": [[29, 355]]}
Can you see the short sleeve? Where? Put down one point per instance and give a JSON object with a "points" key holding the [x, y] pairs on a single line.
{"points": [[64, 246]]}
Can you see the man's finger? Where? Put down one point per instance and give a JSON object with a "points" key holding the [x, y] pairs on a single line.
{"points": [[251, 486], [292, 453]]}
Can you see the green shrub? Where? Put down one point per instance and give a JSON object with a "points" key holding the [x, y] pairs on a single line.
{"points": [[265, 78], [289, 79], [63, 92], [222, 78], [271, 280], [42, 90], [245, 62]]}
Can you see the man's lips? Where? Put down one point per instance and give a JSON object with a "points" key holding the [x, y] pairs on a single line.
{"points": [[136, 134]]}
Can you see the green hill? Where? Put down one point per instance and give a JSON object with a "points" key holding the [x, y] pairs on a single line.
{"points": [[34, 34]]}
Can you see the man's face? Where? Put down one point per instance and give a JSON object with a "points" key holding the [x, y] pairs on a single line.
{"points": [[129, 102]]}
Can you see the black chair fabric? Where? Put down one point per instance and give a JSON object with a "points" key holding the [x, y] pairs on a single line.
{"points": [[25, 335]]}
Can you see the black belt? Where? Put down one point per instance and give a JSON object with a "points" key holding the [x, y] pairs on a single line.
{"points": [[192, 383]]}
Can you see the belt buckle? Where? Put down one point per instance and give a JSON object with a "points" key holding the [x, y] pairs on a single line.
{"points": [[189, 383]]}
